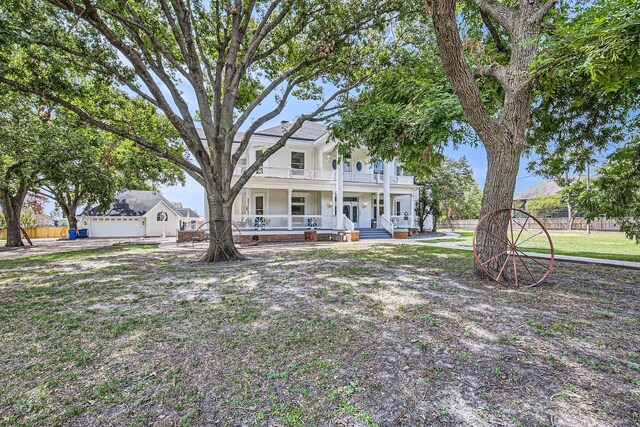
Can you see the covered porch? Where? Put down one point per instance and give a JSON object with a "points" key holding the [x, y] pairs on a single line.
{"points": [[296, 209]]}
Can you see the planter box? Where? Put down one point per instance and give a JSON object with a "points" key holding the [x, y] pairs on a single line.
{"points": [[311, 236], [400, 234], [189, 235]]}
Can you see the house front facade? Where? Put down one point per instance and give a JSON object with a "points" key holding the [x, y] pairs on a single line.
{"points": [[139, 213], [305, 185]]}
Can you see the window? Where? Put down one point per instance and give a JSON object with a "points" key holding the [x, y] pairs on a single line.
{"points": [[346, 166], [297, 160], [334, 164], [378, 167], [162, 216], [359, 166], [399, 170], [260, 170], [259, 205], [397, 208], [297, 205]]}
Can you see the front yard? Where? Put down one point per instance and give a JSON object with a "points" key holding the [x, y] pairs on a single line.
{"points": [[347, 335]]}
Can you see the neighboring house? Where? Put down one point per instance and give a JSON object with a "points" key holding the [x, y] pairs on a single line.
{"points": [[546, 188], [305, 186], [139, 213]]}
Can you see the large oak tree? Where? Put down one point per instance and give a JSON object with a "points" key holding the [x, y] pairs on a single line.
{"points": [[229, 56]]}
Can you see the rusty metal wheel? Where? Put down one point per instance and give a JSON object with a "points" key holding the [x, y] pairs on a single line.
{"points": [[521, 237]]}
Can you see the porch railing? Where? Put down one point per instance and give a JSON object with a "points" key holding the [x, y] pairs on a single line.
{"points": [[348, 224], [401, 221], [281, 222], [386, 224]]}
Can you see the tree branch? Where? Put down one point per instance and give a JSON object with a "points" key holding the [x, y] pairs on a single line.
{"points": [[492, 30], [456, 67], [313, 116], [498, 12], [145, 144], [542, 12]]}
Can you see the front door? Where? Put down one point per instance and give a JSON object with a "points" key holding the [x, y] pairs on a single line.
{"points": [[351, 210]]}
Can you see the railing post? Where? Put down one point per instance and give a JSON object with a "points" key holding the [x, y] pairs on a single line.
{"points": [[289, 218]]}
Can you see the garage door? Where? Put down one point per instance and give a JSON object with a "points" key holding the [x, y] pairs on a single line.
{"points": [[117, 227]]}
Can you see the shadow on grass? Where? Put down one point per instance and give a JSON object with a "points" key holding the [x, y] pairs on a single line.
{"points": [[67, 255]]}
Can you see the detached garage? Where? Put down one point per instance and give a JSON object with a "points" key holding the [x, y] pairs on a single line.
{"points": [[115, 227], [138, 213]]}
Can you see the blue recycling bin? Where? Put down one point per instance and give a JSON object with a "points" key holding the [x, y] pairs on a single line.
{"points": [[73, 234], [83, 233]]}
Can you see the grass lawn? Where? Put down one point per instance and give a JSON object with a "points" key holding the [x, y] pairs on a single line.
{"points": [[598, 244], [348, 335]]}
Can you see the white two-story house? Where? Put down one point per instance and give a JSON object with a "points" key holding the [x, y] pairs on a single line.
{"points": [[305, 185]]}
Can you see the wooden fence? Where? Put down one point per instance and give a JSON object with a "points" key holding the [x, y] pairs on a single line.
{"points": [[40, 232], [549, 223]]}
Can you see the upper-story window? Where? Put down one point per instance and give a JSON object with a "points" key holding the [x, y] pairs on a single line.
{"points": [[297, 160], [346, 166], [359, 166], [378, 167], [260, 170], [162, 216], [334, 164], [399, 170]]}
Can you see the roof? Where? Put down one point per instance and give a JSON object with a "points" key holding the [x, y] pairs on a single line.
{"points": [[309, 131], [547, 188], [131, 203], [236, 139], [187, 212]]}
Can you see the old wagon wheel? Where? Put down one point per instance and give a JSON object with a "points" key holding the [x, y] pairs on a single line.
{"points": [[513, 263], [212, 231]]}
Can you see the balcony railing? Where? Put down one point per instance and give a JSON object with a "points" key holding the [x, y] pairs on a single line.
{"points": [[271, 172], [367, 178], [282, 222]]}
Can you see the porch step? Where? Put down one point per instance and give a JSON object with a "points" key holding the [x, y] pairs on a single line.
{"points": [[374, 233]]}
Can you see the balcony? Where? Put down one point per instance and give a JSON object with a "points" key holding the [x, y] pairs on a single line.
{"points": [[366, 178]]}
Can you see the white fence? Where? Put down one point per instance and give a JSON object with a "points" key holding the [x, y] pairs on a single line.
{"points": [[549, 223]]}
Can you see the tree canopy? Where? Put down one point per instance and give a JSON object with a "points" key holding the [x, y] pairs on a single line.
{"points": [[202, 64]]}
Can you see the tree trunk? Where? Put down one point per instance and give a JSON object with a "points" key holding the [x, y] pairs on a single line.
{"points": [[503, 165], [70, 212], [570, 216], [11, 208], [221, 231]]}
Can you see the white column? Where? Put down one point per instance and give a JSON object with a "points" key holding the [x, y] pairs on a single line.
{"points": [[377, 209], [412, 215], [339, 196], [290, 219], [387, 189]]}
